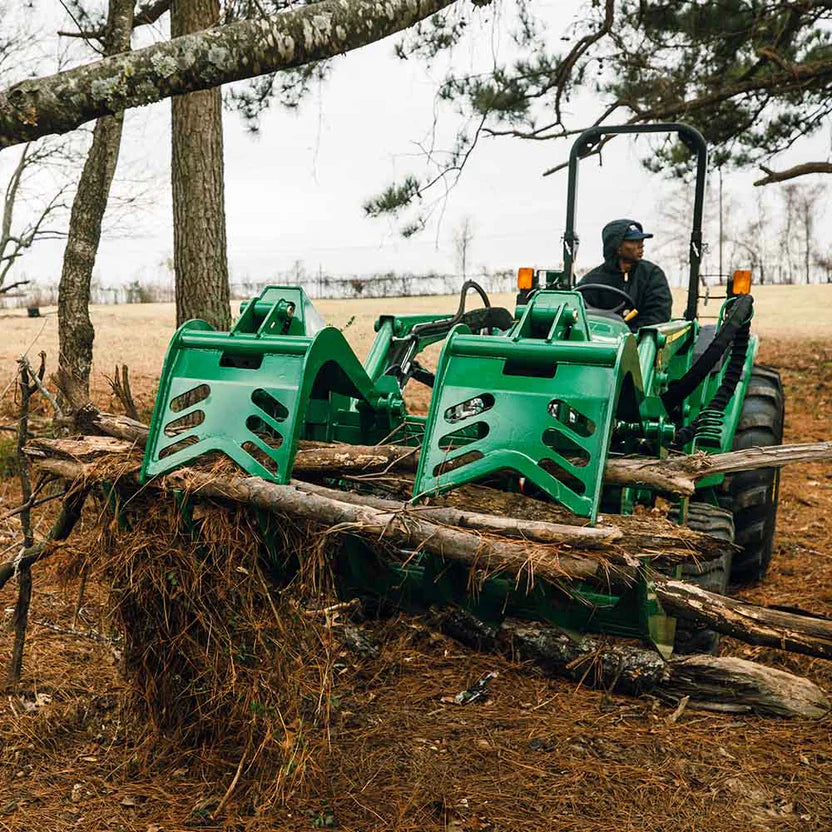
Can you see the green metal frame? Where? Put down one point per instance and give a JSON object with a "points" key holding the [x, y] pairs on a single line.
{"points": [[423, 579], [540, 401], [549, 401]]}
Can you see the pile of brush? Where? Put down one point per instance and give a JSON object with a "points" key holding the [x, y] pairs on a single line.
{"points": [[233, 636], [494, 533]]}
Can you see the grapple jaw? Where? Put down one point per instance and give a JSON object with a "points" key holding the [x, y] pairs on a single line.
{"points": [[540, 401], [251, 393]]}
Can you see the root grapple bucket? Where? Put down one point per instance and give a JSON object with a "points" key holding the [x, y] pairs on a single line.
{"points": [[539, 402]]}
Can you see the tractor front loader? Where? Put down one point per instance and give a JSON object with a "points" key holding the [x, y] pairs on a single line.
{"points": [[537, 399]]}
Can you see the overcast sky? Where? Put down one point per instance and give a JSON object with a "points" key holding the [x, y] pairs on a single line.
{"points": [[294, 191]]}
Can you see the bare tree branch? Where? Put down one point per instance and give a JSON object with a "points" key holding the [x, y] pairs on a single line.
{"points": [[792, 173], [4, 289], [561, 77], [147, 14], [204, 60]]}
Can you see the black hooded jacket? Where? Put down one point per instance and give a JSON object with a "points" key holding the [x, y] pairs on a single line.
{"points": [[645, 283]]}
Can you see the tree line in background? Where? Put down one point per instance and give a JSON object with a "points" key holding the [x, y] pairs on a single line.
{"points": [[318, 285], [780, 237], [754, 75]]}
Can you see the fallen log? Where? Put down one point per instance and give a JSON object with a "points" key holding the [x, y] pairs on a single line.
{"points": [[675, 474], [509, 515], [765, 626], [682, 472], [320, 458], [709, 682], [526, 561], [539, 531]]}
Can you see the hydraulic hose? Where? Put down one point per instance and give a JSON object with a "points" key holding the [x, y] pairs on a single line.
{"points": [[738, 315], [445, 325], [402, 362], [730, 379]]}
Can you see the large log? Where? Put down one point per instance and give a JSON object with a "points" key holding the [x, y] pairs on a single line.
{"points": [[514, 515], [675, 474], [710, 682], [526, 561], [770, 627], [539, 531], [682, 472]]}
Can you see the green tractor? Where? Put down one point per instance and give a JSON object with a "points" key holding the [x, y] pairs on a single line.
{"points": [[535, 399]]}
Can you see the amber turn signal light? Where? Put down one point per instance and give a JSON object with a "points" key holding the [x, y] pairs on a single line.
{"points": [[741, 282], [525, 278]]}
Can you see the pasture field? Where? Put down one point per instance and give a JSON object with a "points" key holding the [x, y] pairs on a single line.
{"points": [[542, 755], [138, 334]]}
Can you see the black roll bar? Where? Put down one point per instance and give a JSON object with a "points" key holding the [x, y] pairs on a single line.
{"points": [[587, 142]]}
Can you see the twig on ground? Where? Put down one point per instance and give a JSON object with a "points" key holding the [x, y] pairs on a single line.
{"points": [[233, 784], [79, 601], [120, 385], [61, 529], [32, 503], [72, 631], [37, 379]]}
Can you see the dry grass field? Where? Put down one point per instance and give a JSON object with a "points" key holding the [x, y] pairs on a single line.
{"points": [[138, 335], [543, 755]]}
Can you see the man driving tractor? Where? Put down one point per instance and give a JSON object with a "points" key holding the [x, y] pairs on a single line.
{"points": [[625, 269]]}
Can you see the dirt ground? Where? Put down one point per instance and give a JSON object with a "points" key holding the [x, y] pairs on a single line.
{"points": [[541, 754]]}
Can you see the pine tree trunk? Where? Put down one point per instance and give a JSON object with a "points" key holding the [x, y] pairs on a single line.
{"points": [[75, 330], [198, 180]]}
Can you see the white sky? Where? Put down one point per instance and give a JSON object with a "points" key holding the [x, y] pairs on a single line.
{"points": [[294, 192]]}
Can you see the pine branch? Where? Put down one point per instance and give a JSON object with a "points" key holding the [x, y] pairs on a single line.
{"points": [[792, 173]]}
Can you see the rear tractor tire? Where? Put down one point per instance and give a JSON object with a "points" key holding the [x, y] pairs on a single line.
{"points": [[752, 495], [712, 575]]}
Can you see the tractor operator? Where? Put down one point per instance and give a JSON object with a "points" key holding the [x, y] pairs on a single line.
{"points": [[624, 268]]}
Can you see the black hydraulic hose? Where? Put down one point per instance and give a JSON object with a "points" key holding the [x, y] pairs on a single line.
{"points": [[730, 380], [470, 284], [435, 327], [737, 316], [401, 354]]}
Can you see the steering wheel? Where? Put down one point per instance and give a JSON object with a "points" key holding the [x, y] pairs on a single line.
{"points": [[601, 287]]}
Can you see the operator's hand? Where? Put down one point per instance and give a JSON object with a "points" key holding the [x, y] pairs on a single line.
{"points": [[631, 315]]}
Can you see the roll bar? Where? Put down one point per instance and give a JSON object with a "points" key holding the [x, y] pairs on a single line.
{"points": [[587, 142]]}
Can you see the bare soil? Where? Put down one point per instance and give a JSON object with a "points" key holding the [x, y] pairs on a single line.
{"points": [[541, 754]]}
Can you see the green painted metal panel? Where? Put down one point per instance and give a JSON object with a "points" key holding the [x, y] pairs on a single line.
{"points": [[539, 401], [248, 393]]}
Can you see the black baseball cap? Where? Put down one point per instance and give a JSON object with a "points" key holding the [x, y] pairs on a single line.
{"points": [[636, 232]]}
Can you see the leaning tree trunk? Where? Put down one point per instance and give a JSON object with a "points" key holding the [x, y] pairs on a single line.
{"points": [[75, 330], [197, 176]]}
